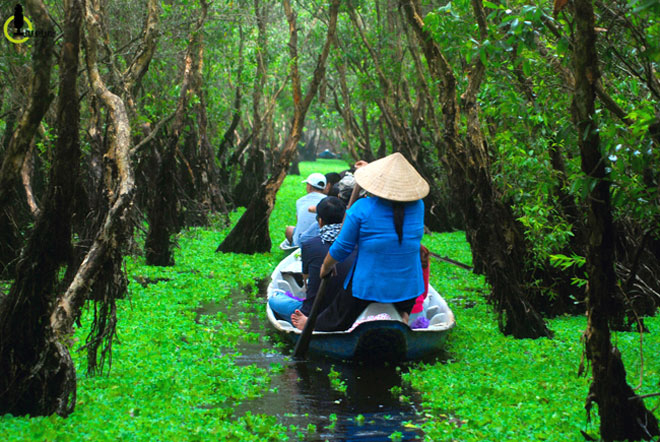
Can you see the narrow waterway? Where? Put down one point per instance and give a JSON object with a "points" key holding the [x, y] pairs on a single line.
{"points": [[319, 399], [360, 403]]}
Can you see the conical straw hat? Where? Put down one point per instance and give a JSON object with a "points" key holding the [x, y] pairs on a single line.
{"points": [[392, 178]]}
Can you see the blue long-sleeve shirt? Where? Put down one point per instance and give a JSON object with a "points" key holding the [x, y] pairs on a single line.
{"points": [[384, 270]]}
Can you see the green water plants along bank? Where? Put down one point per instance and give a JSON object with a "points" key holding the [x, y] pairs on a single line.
{"points": [[176, 374], [495, 387]]}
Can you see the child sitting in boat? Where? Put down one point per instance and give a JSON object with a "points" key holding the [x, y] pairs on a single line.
{"points": [[387, 229], [330, 214]]}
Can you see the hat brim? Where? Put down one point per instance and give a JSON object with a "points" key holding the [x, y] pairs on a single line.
{"points": [[392, 178], [316, 187]]}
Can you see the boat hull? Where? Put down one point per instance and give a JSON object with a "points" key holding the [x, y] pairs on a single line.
{"points": [[376, 341], [370, 339]]}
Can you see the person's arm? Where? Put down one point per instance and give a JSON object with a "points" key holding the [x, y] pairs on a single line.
{"points": [[328, 263], [304, 256]]}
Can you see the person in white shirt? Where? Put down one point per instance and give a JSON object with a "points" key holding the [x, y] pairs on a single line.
{"points": [[316, 183]]}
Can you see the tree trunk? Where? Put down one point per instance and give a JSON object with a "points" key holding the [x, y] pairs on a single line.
{"points": [[21, 139], [101, 269], [229, 136], [253, 173], [251, 233], [294, 169], [405, 135], [38, 375], [308, 146], [498, 245], [252, 178], [203, 193], [164, 209], [622, 413]]}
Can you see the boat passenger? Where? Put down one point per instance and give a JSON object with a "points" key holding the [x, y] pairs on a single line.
{"points": [[313, 229], [330, 216], [418, 309], [387, 229], [332, 178], [315, 185], [344, 187]]}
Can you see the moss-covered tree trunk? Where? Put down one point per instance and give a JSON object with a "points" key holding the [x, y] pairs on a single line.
{"points": [[38, 375], [623, 415], [251, 233]]}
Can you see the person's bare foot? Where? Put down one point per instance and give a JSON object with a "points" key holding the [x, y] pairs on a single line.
{"points": [[298, 319]]}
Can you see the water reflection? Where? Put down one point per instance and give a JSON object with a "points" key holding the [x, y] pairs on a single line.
{"points": [[375, 405], [367, 411]]}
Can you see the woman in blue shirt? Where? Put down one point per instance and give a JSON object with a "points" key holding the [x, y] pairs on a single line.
{"points": [[387, 229]]}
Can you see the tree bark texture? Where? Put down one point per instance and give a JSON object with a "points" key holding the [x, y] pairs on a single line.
{"points": [[101, 269], [253, 173], [251, 233], [163, 213], [497, 241], [38, 375], [622, 413], [19, 144]]}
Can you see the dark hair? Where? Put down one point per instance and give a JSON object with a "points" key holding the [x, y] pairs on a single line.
{"points": [[334, 190], [331, 210], [332, 177], [399, 210]]}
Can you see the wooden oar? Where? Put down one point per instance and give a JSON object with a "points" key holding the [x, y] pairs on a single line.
{"points": [[451, 261], [354, 195], [303, 342]]}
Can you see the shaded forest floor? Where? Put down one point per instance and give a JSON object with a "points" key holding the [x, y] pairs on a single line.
{"points": [[175, 373]]}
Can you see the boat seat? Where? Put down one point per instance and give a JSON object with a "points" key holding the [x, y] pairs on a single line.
{"points": [[283, 285], [376, 308], [285, 325], [432, 311], [296, 276], [439, 319]]}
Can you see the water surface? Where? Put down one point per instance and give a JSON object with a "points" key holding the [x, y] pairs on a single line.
{"points": [[365, 403]]}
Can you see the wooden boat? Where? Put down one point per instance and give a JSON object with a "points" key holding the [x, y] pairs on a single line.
{"points": [[371, 337]]}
